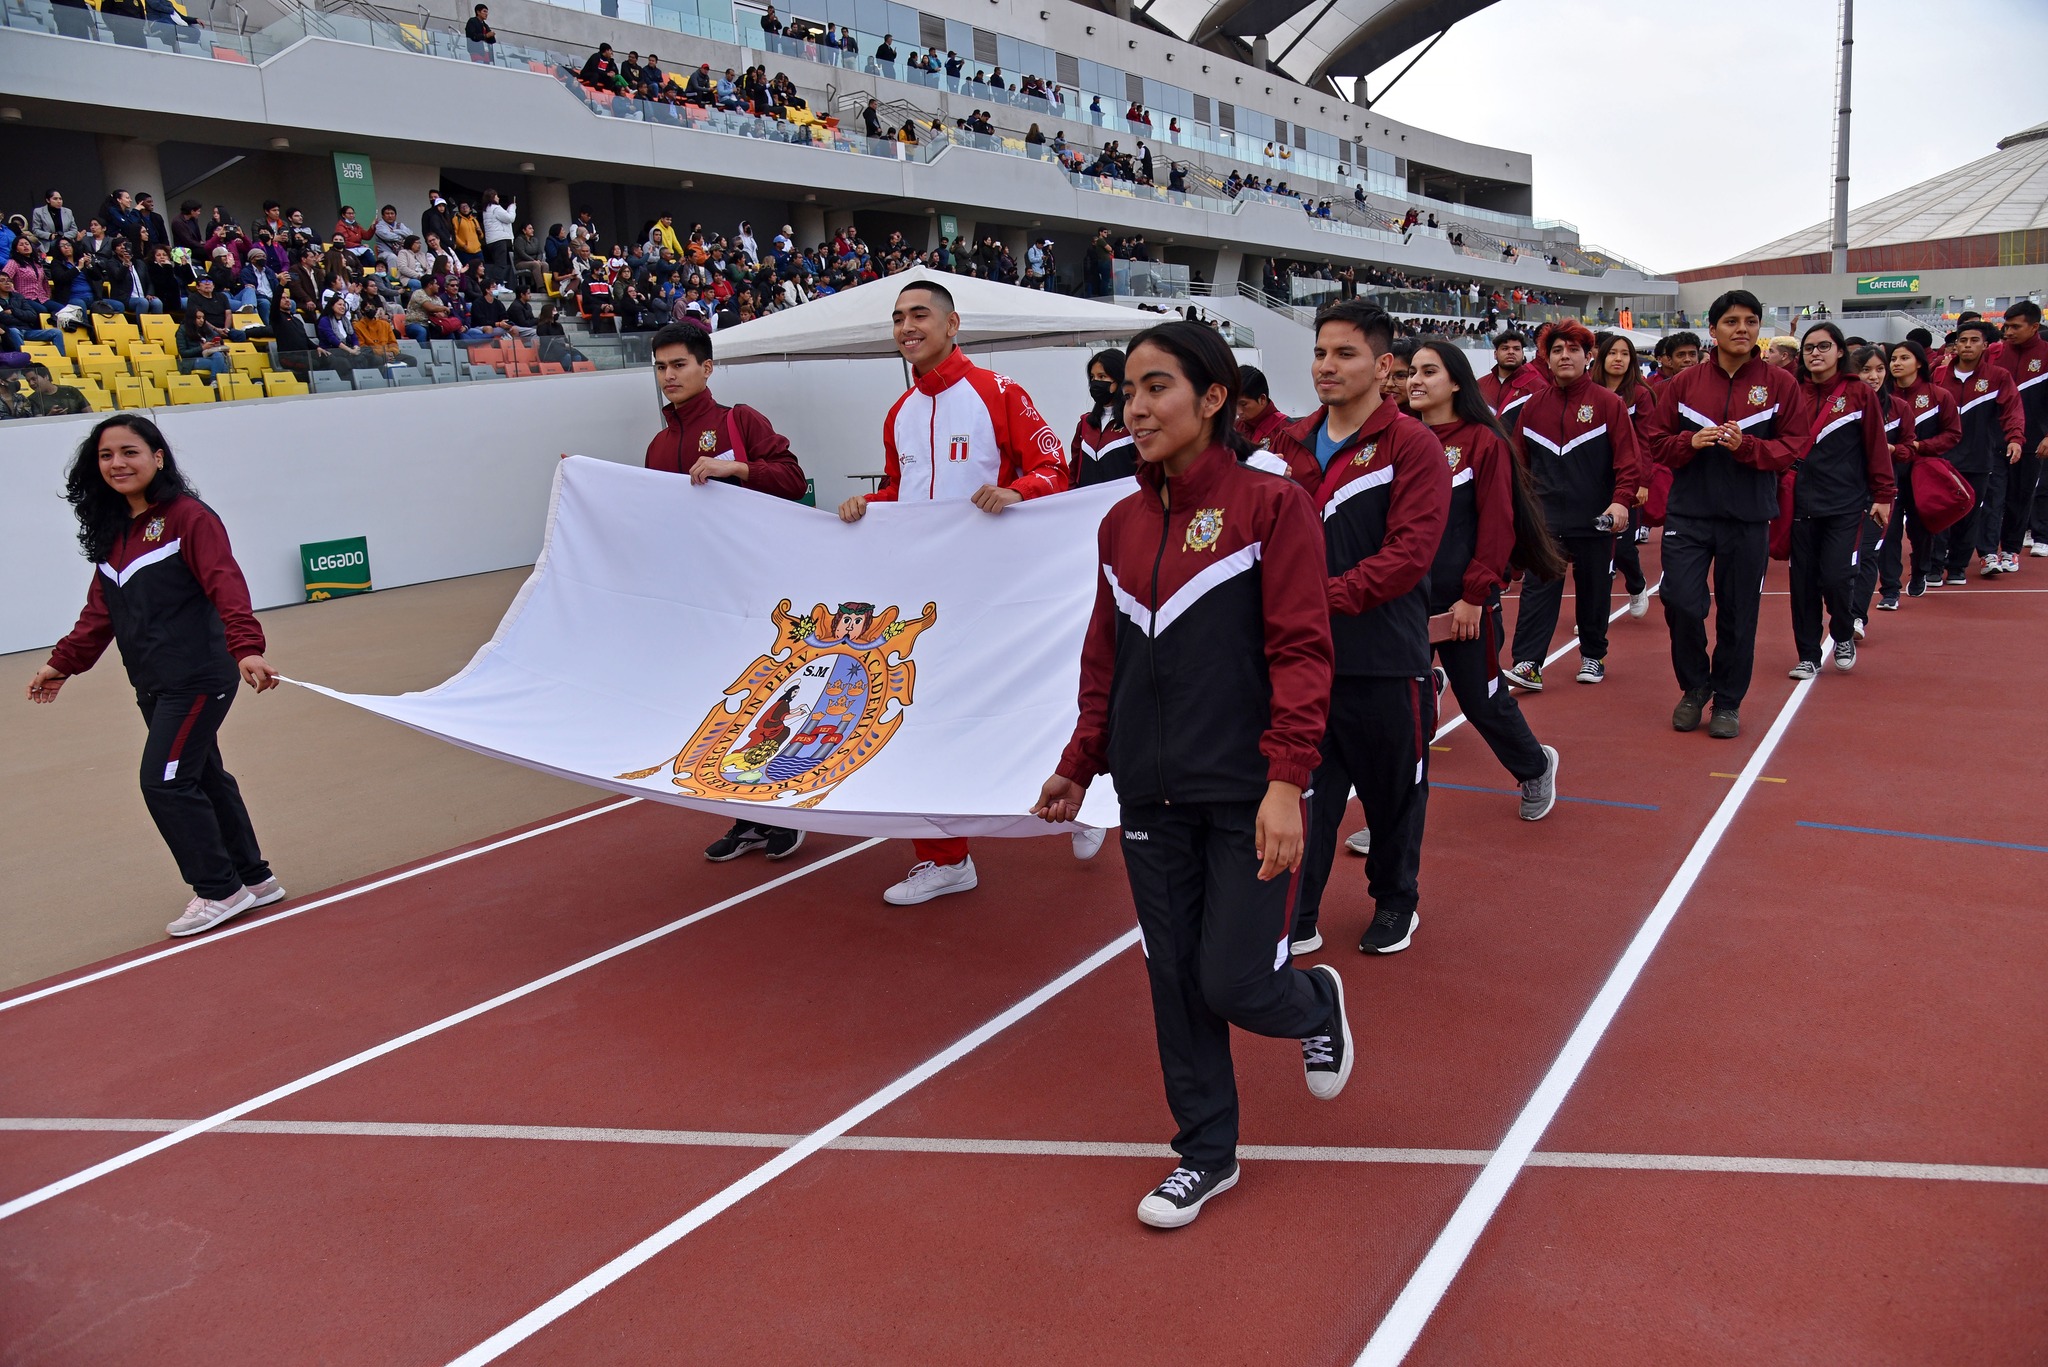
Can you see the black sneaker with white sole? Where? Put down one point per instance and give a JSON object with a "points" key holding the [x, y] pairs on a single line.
{"points": [[743, 838], [783, 843], [1389, 932], [1307, 944], [1179, 1199], [1326, 1058]]}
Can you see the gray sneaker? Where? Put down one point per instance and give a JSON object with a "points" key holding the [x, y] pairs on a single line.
{"points": [[1539, 794], [1845, 655], [1804, 670]]}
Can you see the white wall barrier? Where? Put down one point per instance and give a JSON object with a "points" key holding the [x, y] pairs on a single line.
{"points": [[444, 480]]}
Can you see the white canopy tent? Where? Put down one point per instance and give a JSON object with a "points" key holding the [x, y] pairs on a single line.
{"points": [[993, 317]]}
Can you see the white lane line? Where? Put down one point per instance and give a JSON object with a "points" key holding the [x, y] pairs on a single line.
{"points": [[1057, 1148], [568, 1299], [218, 936], [1418, 1299], [237, 1111]]}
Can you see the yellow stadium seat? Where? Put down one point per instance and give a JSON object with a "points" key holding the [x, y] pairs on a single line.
{"points": [[112, 327], [189, 389], [278, 384], [58, 364], [153, 365], [130, 392], [105, 369], [248, 318], [94, 395], [247, 358], [162, 329], [239, 386]]}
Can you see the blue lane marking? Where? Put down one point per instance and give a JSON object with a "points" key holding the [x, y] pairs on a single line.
{"points": [[1516, 792], [1918, 835]]}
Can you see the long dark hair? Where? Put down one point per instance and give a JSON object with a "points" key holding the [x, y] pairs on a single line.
{"points": [[1535, 549], [102, 513], [1112, 361], [1925, 376], [1206, 360], [1632, 379]]}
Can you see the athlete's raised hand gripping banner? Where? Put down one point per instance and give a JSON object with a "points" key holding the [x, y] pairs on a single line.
{"points": [[913, 674]]}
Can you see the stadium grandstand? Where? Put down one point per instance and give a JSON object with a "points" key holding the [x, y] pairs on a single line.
{"points": [[1974, 238]]}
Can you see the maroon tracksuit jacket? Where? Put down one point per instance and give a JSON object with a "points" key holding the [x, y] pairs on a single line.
{"points": [[1479, 533], [1205, 673], [706, 427]]}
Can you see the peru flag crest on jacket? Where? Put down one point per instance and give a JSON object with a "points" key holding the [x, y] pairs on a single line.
{"points": [[824, 700]]}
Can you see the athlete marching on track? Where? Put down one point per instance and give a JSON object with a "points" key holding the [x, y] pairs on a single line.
{"points": [[1512, 380], [1988, 403], [1495, 524], [2023, 354], [1934, 428], [960, 432], [167, 591], [1384, 499], [1580, 445], [1843, 480], [1877, 555], [1102, 449], [1617, 368], [1726, 428], [1205, 678]]}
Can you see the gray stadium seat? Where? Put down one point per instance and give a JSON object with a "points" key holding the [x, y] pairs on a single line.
{"points": [[327, 382], [371, 379]]}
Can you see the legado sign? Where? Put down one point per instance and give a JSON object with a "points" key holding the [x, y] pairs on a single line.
{"points": [[1887, 284], [335, 569]]}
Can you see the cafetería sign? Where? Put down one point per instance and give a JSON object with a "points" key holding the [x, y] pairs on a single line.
{"points": [[1887, 284]]}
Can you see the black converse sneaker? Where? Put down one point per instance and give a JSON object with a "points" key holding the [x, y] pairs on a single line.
{"points": [[1326, 1058], [1389, 932], [1178, 1200], [743, 837]]}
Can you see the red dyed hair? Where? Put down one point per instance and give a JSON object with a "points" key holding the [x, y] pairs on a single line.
{"points": [[1567, 331]]}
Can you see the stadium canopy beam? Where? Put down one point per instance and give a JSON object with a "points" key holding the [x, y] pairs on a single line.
{"points": [[1391, 30], [1371, 99]]}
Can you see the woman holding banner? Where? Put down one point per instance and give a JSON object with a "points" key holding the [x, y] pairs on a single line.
{"points": [[166, 590], [1205, 682]]}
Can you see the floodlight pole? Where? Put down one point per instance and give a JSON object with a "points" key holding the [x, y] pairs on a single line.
{"points": [[1841, 240]]}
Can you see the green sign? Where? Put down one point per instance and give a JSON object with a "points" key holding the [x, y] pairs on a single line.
{"points": [[949, 227], [1887, 284], [336, 569], [354, 186]]}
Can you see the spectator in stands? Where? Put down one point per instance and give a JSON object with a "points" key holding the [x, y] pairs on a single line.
{"points": [[374, 334], [388, 234], [65, 275], [50, 220], [499, 223], [410, 263], [338, 345], [95, 240], [437, 225], [469, 234], [519, 314], [259, 285], [481, 37], [296, 350], [552, 340], [201, 345], [122, 279], [529, 257], [21, 320], [150, 228], [871, 119], [728, 93], [600, 72], [25, 267], [352, 234], [46, 397], [428, 312], [339, 287]]}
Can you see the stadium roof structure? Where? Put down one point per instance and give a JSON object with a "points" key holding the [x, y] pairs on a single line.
{"points": [[1312, 40], [2005, 192]]}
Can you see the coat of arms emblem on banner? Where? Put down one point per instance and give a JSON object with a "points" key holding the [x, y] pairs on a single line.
{"points": [[821, 703]]}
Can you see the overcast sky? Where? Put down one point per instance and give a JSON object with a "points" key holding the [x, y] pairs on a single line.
{"points": [[1753, 159]]}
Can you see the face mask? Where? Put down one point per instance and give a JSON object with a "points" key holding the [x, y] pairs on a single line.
{"points": [[1101, 391]]}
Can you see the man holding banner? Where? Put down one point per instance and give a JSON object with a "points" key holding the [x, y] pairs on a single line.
{"points": [[959, 432]]}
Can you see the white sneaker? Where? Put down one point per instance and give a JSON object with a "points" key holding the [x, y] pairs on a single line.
{"points": [[1088, 841], [928, 880], [1310, 945], [1805, 669], [1639, 603], [2012, 562], [1360, 841], [1860, 628], [2040, 548], [204, 913]]}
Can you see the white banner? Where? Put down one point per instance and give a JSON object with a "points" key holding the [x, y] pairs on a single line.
{"points": [[913, 674]]}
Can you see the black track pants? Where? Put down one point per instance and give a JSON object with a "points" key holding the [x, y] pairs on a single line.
{"points": [[1736, 554], [193, 799], [1377, 742], [1877, 560], [1628, 555], [2021, 483], [1825, 552], [1991, 507], [1592, 560], [1488, 704], [1216, 955]]}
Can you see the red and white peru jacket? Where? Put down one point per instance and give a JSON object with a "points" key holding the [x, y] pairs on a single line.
{"points": [[960, 427]]}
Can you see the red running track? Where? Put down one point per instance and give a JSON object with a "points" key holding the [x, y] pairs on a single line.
{"points": [[1828, 1009]]}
